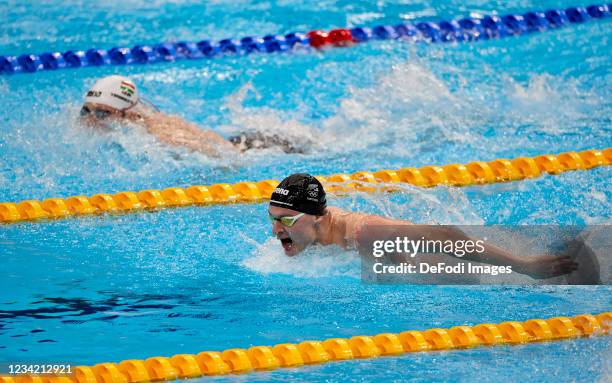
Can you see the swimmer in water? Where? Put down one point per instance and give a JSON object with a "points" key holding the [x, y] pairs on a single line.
{"points": [[300, 218], [116, 99]]}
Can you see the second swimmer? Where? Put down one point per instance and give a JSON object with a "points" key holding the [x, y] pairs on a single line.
{"points": [[116, 99]]}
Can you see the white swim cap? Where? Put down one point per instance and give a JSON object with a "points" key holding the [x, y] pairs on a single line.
{"points": [[117, 92]]}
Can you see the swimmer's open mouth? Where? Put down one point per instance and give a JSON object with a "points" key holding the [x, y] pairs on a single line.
{"points": [[287, 243]]}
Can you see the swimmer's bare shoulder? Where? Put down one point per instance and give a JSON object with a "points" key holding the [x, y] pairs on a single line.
{"points": [[376, 227], [362, 229]]}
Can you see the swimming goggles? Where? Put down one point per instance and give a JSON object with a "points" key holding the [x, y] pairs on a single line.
{"points": [[100, 114], [287, 220]]}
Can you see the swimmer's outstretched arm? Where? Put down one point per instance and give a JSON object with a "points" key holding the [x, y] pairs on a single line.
{"points": [[538, 267], [174, 130]]}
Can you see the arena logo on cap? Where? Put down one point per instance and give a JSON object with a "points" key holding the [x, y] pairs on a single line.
{"points": [[94, 93], [281, 191], [127, 88]]}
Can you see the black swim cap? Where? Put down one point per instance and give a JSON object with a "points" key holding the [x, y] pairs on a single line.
{"points": [[301, 192]]}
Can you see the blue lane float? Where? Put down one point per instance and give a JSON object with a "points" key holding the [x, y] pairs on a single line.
{"points": [[461, 30]]}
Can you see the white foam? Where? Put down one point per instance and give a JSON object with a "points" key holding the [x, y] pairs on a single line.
{"points": [[408, 100], [546, 102], [363, 18], [314, 262], [410, 108], [444, 206], [262, 119], [598, 195]]}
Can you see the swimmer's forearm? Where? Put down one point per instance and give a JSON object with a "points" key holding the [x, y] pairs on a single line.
{"points": [[497, 256], [202, 144], [175, 131], [536, 266], [209, 143]]}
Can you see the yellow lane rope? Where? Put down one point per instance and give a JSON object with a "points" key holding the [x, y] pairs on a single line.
{"points": [[264, 358], [473, 173]]}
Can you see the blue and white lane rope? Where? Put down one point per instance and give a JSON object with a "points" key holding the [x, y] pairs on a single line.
{"points": [[465, 29]]}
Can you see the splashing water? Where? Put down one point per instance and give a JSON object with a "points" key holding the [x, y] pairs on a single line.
{"points": [[315, 262]]}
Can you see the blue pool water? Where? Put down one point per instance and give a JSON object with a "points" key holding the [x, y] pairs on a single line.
{"points": [[187, 280]]}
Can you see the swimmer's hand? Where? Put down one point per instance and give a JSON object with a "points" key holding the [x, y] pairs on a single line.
{"points": [[546, 266]]}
